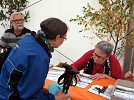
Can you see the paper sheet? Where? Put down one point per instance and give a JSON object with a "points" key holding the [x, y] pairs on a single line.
{"points": [[107, 94]]}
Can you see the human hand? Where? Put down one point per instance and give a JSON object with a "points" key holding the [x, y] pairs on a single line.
{"points": [[77, 78], [101, 75], [98, 76], [129, 76], [61, 96]]}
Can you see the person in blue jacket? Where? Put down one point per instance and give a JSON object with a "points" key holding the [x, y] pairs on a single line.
{"points": [[26, 68]]}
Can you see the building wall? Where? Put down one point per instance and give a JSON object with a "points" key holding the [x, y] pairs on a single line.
{"points": [[76, 44]]}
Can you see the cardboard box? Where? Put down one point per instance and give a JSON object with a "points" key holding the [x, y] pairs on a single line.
{"points": [[127, 84]]}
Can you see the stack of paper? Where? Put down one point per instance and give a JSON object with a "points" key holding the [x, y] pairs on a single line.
{"points": [[107, 93], [55, 73], [85, 80], [123, 92]]}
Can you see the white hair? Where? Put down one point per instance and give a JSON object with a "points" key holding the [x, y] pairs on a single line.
{"points": [[15, 13], [105, 46]]}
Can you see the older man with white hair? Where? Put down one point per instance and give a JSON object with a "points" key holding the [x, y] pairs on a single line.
{"points": [[17, 32]]}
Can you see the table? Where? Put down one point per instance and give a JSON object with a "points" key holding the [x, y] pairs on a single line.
{"points": [[77, 93]]}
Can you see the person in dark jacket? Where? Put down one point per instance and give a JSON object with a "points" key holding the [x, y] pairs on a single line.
{"points": [[17, 32], [25, 70]]}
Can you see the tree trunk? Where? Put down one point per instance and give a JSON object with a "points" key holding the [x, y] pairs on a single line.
{"points": [[129, 52]]}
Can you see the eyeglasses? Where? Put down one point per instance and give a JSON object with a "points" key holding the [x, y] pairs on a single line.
{"points": [[17, 21], [99, 57], [63, 38]]}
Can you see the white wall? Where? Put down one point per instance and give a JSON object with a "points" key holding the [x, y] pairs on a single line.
{"points": [[76, 45]]}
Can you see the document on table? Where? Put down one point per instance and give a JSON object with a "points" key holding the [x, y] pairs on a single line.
{"points": [[85, 80], [56, 72], [106, 94]]}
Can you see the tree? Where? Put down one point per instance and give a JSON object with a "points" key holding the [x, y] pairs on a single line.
{"points": [[110, 22], [8, 7]]}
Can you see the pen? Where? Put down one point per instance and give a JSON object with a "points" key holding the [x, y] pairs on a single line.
{"points": [[103, 89]]}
